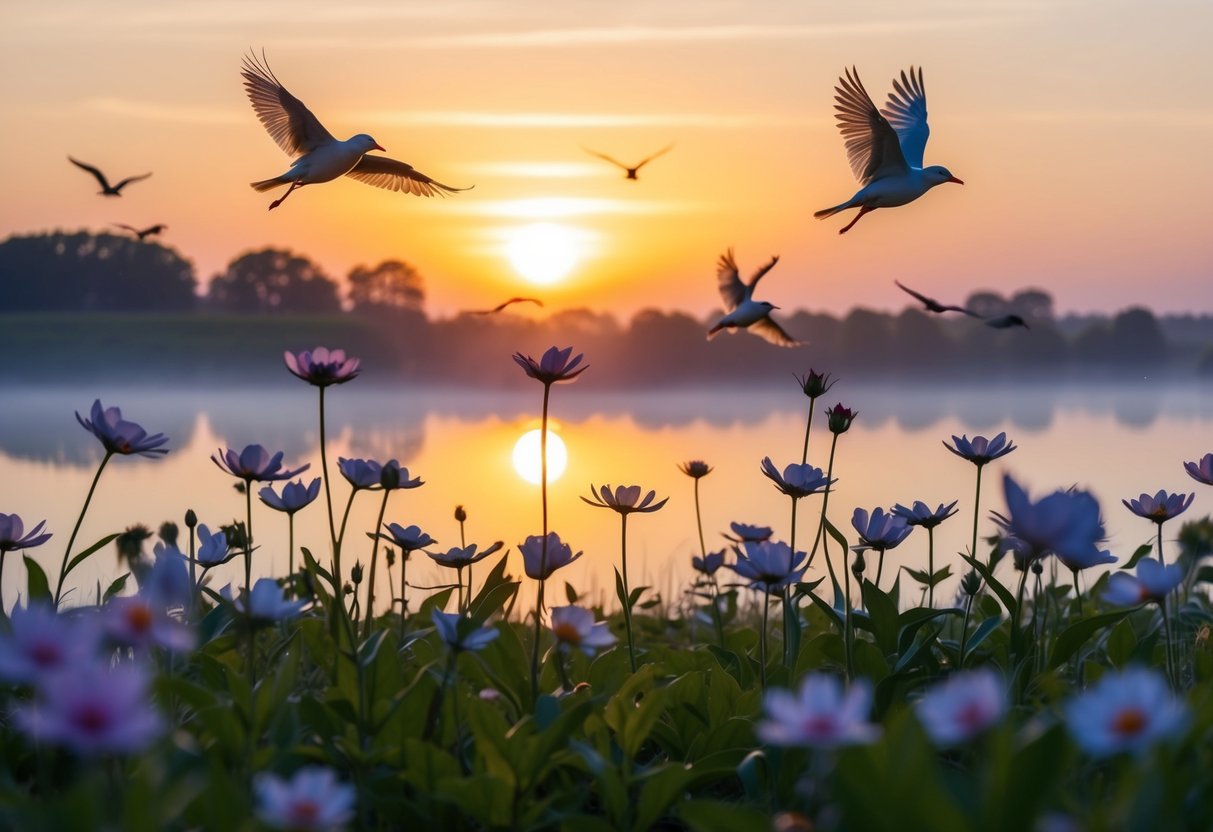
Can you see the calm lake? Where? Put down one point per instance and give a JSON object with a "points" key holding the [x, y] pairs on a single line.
{"points": [[1117, 440]]}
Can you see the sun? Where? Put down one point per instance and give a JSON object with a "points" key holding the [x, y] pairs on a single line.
{"points": [[543, 252], [526, 456]]}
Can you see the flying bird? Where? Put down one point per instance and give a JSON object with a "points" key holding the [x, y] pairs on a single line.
{"points": [[502, 306], [631, 171], [885, 147], [1006, 322], [106, 188], [932, 305], [318, 156], [142, 233], [742, 311]]}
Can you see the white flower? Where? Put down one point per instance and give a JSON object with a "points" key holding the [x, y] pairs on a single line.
{"points": [[961, 707], [575, 627], [312, 799], [458, 632], [822, 715], [1128, 711]]}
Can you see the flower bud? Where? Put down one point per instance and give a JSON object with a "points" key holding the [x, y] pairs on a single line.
{"points": [[970, 584], [191, 519], [460, 515], [356, 573], [858, 565], [840, 418], [391, 557], [168, 532], [815, 384]]}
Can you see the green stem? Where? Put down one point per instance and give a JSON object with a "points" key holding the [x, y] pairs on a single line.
{"points": [[324, 475], [825, 504], [627, 593], [543, 557], [976, 510], [535, 647], [194, 594], [762, 641], [1160, 557], [1172, 677], [337, 576], [76, 530], [459, 590], [787, 601], [879, 567], [964, 632], [703, 550], [248, 539], [370, 587], [804, 456], [290, 542], [1077, 591], [931, 566]]}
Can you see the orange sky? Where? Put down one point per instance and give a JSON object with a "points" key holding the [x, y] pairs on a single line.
{"points": [[1081, 129]]}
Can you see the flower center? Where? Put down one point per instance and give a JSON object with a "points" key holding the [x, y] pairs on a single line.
{"points": [[819, 726], [139, 618], [45, 654], [90, 718], [303, 812], [971, 716], [567, 633], [1130, 722]]}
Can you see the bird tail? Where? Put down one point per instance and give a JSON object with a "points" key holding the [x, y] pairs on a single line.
{"points": [[829, 212], [268, 184]]}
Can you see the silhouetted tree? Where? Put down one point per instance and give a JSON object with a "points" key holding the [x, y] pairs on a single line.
{"points": [[83, 271], [922, 343], [866, 339], [1136, 338], [273, 281], [391, 286], [1033, 304], [986, 303]]}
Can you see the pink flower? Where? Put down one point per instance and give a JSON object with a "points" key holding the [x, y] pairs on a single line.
{"points": [[624, 499], [255, 463], [541, 561], [119, 436], [313, 799], [797, 480], [322, 366], [40, 641], [1202, 470], [962, 706], [822, 715]]}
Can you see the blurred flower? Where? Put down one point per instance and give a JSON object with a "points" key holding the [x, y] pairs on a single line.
{"points": [[822, 715], [1201, 471], [695, 469], [212, 547], [623, 499], [1127, 711], [1066, 523], [267, 603], [745, 531], [920, 514], [980, 450], [815, 384], [1154, 582], [460, 633], [458, 557], [797, 480], [708, 564], [360, 473], [880, 531], [554, 368], [392, 476], [539, 566], [140, 622], [575, 627], [839, 418], [1087, 558], [130, 543], [13, 536], [168, 533], [322, 366], [255, 463], [119, 436], [168, 581], [39, 641], [313, 799], [962, 706], [295, 495], [93, 709], [1161, 507], [409, 539], [769, 565]]}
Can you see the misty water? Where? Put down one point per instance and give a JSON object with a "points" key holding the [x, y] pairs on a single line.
{"points": [[1116, 439]]}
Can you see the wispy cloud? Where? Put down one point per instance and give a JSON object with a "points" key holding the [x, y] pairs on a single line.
{"points": [[470, 118], [152, 111], [536, 170], [557, 207], [1145, 118]]}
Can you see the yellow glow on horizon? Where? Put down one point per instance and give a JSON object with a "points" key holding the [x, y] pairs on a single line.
{"points": [[527, 458], [544, 252]]}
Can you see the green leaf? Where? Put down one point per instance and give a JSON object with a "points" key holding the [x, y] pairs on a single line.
{"points": [[620, 593], [570, 593], [1121, 643], [834, 615], [791, 612], [882, 612], [436, 601], [982, 632], [1073, 637], [1138, 553], [634, 596], [37, 586], [369, 649], [1005, 595], [74, 562], [911, 620], [117, 586], [719, 816]]}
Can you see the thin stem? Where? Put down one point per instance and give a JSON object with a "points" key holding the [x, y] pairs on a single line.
{"points": [[976, 511], [879, 567], [627, 593], [1160, 557], [370, 587], [964, 632], [3, 559], [324, 475], [825, 504], [535, 647], [804, 456], [931, 566], [543, 557], [290, 538], [193, 574], [1166, 629], [248, 538], [762, 642], [404, 604], [1077, 591], [703, 550], [717, 616], [787, 601], [337, 577], [565, 684], [75, 531], [459, 590]]}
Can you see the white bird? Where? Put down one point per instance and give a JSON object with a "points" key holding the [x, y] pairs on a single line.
{"points": [[318, 156], [885, 147], [742, 311]]}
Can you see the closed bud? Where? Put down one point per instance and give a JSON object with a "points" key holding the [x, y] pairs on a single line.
{"points": [[970, 584], [460, 514], [356, 573], [858, 565], [815, 384], [840, 418], [191, 519], [391, 557]]}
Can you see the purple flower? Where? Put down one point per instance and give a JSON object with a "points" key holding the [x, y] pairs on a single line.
{"points": [[461, 633], [1161, 507], [708, 564], [575, 627], [94, 709], [961, 707], [555, 366], [538, 564], [1201, 471], [745, 531], [458, 557], [769, 565], [138, 621], [695, 469], [1154, 582], [322, 366], [39, 642], [409, 539], [624, 499], [392, 476], [119, 436], [295, 495], [1086, 558], [839, 418], [212, 547], [797, 480], [13, 536], [1128, 711], [313, 799], [880, 531], [255, 463], [980, 450], [360, 473], [267, 603], [822, 715], [920, 514], [1066, 523]]}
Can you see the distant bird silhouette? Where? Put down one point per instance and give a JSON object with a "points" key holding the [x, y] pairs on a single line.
{"points": [[502, 306], [1006, 322], [885, 147], [932, 305], [742, 311], [631, 171], [106, 188], [143, 233], [318, 156]]}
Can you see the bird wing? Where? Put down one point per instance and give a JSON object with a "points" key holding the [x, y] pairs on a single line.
{"points": [[287, 119], [105, 185], [383, 172], [873, 148], [926, 301], [773, 333], [125, 227], [661, 152], [129, 180], [758, 274], [732, 290], [906, 111], [499, 307], [605, 157]]}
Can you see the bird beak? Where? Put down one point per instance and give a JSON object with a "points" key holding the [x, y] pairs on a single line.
{"points": [[384, 149], [950, 179]]}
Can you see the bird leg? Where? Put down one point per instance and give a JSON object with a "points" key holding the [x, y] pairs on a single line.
{"points": [[863, 210], [294, 185]]}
